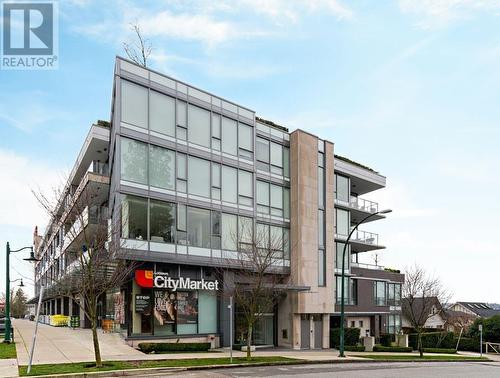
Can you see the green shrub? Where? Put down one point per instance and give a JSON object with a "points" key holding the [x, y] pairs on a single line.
{"points": [[440, 350], [351, 337], [380, 348], [354, 348], [433, 340], [173, 347], [386, 339], [468, 344], [491, 329]]}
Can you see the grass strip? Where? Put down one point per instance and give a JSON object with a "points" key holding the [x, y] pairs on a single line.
{"points": [[399, 357], [7, 350], [87, 367]]}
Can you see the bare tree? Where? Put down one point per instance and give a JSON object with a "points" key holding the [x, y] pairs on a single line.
{"points": [[139, 50], [92, 261], [423, 296], [257, 283]]}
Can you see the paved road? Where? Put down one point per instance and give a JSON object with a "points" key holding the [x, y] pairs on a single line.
{"points": [[357, 370]]}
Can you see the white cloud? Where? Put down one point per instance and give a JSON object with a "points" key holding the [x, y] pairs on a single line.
{"points": [[440, 13]]}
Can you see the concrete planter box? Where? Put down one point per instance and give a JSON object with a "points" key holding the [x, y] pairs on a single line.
{"points": [[244, 348]]}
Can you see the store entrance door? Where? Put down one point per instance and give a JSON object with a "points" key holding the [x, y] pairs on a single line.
{"points": [[305, 332]]}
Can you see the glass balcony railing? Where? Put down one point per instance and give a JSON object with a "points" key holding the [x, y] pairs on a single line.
{"points": [[363, 204], [365, 237]]}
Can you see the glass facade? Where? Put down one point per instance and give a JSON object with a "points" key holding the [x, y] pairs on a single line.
{"points": [[350, 290], [379, 294], [342, 224], [339, 250], [342, 188]]}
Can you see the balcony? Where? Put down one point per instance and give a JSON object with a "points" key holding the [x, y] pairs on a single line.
{"points": [[362, 241], [360, 208]]}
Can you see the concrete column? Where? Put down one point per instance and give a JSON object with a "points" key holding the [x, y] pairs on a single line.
{"points": [[296, 331], [70, 304], [326, 331]]}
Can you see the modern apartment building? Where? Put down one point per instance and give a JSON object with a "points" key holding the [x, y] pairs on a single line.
{"points": [[184, 171]]}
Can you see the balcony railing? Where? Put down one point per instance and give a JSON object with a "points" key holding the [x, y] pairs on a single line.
{"points": [[363, 204], [367, 266], [365, 237]]}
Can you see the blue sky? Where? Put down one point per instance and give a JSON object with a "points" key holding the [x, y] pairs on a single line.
{"points": [[409, 87]]}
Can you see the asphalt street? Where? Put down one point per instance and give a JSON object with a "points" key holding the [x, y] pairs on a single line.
{"points": [[358, 370]]}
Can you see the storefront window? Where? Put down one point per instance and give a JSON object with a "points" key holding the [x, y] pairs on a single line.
{"points": [[207, 319], [187, 312], [164, 313]]}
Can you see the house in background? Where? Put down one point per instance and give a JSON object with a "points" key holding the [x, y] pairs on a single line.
{"points": [[421, 309], [476, 309]]}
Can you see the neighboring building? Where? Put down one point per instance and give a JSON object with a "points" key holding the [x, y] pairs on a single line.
{"points": [[429, 308], [187, 170], [477, 309]]}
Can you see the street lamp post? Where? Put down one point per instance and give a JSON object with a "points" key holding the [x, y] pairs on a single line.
{"points": [[342, 284], [7, 337]]}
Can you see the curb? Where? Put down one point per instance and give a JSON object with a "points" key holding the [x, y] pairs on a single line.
{"points": [[129, 372]]}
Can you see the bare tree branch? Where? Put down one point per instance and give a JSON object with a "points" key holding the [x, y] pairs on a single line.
{"points": [[139, 50]]}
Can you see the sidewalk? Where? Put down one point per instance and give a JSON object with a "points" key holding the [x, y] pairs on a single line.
{"points": [[8, 367], [61, 345]]}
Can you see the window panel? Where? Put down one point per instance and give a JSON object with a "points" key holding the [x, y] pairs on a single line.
{"points": [[229, 184], [321, 187], [216, 126], [199, 227], [245, 137], [199, 177], [181, 114], [134, 104], [321, 228], [276, 154], [207, 312], [262, 236], [134, 161], [263, 193], [262, 148], [276, 196], [181, 166], [229, 136], [215, 175], [199, 126], [229, 231], [245, 188], [245, 230], [161, 167], [216, 229], [276, 239], [342, 222], [134, 213], [162, 222], [162, 113], [321, 268], [339, 248], [286, 243], [342, 191], [286, 203], [286, 162]]}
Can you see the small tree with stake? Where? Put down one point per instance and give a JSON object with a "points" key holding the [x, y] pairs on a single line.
{"points": [[93, 259], [256, 287], [423, 295]]}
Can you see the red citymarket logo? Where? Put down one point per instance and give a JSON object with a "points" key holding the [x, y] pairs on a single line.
{"points": [[149, 279]]}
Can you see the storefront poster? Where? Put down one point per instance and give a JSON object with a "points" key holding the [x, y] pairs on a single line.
{"points": [[119, 307], [187, 307], [165, 307], [142, 303]]}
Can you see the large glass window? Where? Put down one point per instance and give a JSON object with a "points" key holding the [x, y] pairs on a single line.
{"points": [[262, 150], [134, 161], [276, 158], [199, 177], [276, 200], [321, 228], [393, 323], [321, 267], [342, 188], [199, 126], [134, 104], [229, 136], [339, 250], [162, 113], [263, 197], [162, 222], [229, 231], [379, 293], [207, 315], [245, 141], [161, 167], [393, 294], [342, 222], [245, 232], [229, 184], [199, 227], [134, 217], [216, 229], [350, 290], [245, 188]]}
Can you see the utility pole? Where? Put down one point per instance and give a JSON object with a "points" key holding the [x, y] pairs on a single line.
{"points": [[36, 328]]}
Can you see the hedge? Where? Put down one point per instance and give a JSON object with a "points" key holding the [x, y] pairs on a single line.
{"points": [[433, 340], [386, 339], [380, 348], [351, 337], [173, 347], [354, 348], [439, 350], [468, 344]]}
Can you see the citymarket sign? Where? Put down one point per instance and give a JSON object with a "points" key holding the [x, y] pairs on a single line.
{"points": [[149, 279]]}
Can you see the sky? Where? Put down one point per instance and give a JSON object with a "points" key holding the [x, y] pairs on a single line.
{"points": [[408, 87]]}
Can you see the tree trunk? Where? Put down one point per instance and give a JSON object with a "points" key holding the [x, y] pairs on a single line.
{"points": [[249, 341], [420, 349], [97, 351]]}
